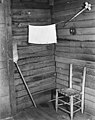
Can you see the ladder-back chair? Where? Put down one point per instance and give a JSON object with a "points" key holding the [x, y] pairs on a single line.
{"points": [[75, 100]]}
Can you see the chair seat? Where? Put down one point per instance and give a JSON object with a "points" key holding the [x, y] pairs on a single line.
{"points": [[69, 92]]}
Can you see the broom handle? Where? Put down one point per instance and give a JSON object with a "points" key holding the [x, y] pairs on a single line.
{"points": [[25, 84]]}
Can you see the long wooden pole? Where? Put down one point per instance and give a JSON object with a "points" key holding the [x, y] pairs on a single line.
{"points": [[25, 84], [15, 59]]}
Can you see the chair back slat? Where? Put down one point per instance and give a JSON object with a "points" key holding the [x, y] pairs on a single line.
{"points": [[71, 69], [84, 76], [77, 78]]}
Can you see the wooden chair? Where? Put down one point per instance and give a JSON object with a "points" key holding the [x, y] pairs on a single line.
{"points": [[75, 100]]}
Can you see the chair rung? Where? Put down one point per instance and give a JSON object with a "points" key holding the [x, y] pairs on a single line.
{"points": [[77, 102], [60, 104], [77, 110], [77, 106], [64, 110], [64, 102], [61, 97], [77, 98]]}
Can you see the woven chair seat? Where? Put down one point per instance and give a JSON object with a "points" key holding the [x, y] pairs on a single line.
{"points": [[69, 92]]}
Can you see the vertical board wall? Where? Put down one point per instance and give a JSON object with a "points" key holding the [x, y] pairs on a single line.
{"points": [[5, 107], [77, 49], [35, 61]]}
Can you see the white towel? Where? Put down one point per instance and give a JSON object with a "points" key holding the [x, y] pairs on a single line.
{"points": [[42, 34]]}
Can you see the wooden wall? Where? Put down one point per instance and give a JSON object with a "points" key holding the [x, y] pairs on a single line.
{"points": [[5, 109], [35, 61], [77, 49]]}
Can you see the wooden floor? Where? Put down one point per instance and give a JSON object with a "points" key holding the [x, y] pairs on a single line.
{"points": [[47, 112]]}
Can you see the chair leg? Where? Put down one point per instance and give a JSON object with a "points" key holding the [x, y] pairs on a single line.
{"points": [[71, 107], [82, 104], [56, 104]]}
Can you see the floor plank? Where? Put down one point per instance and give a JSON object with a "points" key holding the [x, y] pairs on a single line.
{"points": [[46, 111]]}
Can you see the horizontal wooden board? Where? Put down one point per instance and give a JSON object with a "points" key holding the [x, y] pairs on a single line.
{"points": [[25, 102], [35, 72], [76, 61], [49, 84], [34, 78], [29, 5], [76, 50], [78, 24], [30, 14], [37, 54], [19, 22], [63, 66], [17, 25], [69, 4], [34, 49], [35, 66], [31, 79], [75, 44], [78, 37], [33, 84], [62, 15], [79, 31], [85, 57], [35, 59]]}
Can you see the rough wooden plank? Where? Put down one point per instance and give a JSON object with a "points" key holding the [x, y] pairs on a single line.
{"points": [[29, 5], [35, 59], [4, 107], [34, 83], [1, 14], [85, 57], [34, 49], [36, 62], [25, 102], [78, 37], [78, 24], [35, 77], [30, 13], [35, 66], [42, 87], [37, 54], [33, 22], [75, 44], [10, 56], [4, 88], [80, 31], [76, 50], [76, 61]]}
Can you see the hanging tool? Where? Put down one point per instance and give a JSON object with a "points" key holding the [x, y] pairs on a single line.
{"points": [[86, 7]]}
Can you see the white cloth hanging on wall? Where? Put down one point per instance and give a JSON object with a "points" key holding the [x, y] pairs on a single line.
{"points": [[42, 34]]}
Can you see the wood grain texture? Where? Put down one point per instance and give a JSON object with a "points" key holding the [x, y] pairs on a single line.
{"points": [[76, 49], [40, 4], [46, 111], [5, 108], [36, 61]]}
